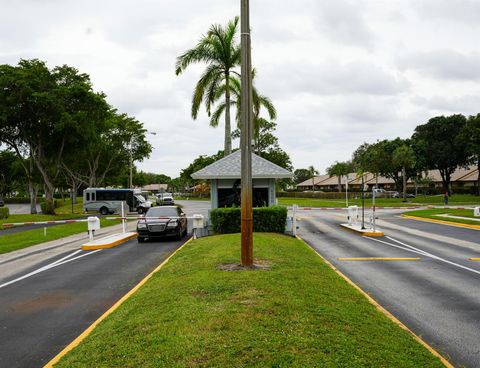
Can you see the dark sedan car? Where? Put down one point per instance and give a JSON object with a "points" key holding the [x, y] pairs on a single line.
{"points": [[162, 222]]}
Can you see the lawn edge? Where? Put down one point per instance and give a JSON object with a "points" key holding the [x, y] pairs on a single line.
{"points": [[379, 307], [109, 311], [441, 222]]}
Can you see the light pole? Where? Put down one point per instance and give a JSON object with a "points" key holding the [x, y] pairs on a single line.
{"points": [[130, 163], [246, 137]]}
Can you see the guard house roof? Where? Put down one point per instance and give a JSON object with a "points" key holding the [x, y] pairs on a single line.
{"points": [[229, 167]]}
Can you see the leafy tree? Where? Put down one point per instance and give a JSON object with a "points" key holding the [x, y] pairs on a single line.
{"points": [[11, 173], [470, 137], [404, 157], [199, 163], [220, 50], [301, 175], [368, 158], [339, 169], [437, 146]]}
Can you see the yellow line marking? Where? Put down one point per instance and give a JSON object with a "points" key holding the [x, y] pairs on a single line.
{"points": [[109, 245], [474, 259], [364, 233], [442, 222], [87, 332], [378, 259], [380, 308]]}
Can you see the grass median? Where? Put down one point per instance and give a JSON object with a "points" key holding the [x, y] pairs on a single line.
{"points": [[299, 313], [445, 214]]}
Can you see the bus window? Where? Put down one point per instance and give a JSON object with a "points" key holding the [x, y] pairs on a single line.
{"points": [[88, 196], [93, 196]]}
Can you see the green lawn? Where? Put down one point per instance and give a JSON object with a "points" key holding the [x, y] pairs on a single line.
{"points": [[439, 211], [456, 199], [24, 239], [298, 314]]}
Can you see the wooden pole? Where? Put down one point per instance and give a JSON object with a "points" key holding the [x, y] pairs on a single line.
{"points": [[246, 115]]}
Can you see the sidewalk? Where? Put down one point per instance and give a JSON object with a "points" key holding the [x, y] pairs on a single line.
{"points": [[16, 262]]}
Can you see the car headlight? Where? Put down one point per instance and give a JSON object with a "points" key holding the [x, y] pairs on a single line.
{"points": [[141, 225], [172, 223]]}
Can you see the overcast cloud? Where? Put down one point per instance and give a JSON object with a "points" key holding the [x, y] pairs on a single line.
{"points": [[340, 72]]}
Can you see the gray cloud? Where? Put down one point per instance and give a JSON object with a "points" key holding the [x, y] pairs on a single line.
{"points": [[343, 21], [468, 104], [450, 10], [443, 64]]}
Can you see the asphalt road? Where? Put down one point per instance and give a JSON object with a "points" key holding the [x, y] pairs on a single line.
{"points": [[437, 297], [46, 305]]}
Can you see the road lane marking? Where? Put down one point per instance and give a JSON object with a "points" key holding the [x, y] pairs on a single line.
{"points": [[47, 267], [70, 255], [441, 222], [430, 255], [377, 259], [395, 246]]}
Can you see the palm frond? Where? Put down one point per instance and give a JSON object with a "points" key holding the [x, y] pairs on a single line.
{"points": [[214, 120]]}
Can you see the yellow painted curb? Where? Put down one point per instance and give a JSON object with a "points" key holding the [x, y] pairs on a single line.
{"points": [[364, 233], [442, 222], [380, 308], [87, 332], [378, 259], [474, 259], [109, 245]]}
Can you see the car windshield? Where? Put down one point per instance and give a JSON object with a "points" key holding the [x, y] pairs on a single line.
{"points": [[162, 212]]}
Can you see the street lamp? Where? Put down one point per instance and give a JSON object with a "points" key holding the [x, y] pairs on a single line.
{"points": [[130, 164]]}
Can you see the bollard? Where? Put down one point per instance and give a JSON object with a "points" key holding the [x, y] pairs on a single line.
{"points": [[124, 222], [294, 220], [93, 224]]}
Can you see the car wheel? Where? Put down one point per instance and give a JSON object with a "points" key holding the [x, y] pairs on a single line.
{"points": [[104, 211], [140, 211], [141, 239]]}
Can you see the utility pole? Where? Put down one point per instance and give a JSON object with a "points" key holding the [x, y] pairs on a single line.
{"points": [[246, 115], [130, 176]]}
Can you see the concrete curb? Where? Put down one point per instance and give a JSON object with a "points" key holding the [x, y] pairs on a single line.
{"points": [[112, 309], [380, 308], [109, 241], [366, 232], [442, 222]]}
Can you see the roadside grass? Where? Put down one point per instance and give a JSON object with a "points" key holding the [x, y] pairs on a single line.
{"points": [[300, 313], [65, 207], [179, 198], [36, 218], [24, 239], [456, 199], [449, 211]]}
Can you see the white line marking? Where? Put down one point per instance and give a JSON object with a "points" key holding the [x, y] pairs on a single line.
{"points": [[422, 252], [48, 267], [437, 257], [70, 255]]}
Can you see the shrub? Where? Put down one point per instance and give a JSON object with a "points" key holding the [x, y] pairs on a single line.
{"points": [[4, 212], [265, 219], [15, 200], [48, 209]]}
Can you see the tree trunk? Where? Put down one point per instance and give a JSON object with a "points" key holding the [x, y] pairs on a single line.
{"points": [[31, 190], [478, 177], [404, 178], [228, 129], [339, 184]]}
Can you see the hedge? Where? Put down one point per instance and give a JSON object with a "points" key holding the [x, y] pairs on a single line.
{"points": [[265, 219], [322, 195], [4, 212]]}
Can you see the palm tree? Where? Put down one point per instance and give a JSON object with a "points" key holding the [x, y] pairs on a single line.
{"points": [[221, 52], [258, 102], [339, 169], [313, 172]]}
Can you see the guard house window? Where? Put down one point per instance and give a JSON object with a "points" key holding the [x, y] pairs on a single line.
{"points": [[231, 197]]}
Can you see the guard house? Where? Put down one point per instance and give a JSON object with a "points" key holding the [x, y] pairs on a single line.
{"points": [[224, 176]]}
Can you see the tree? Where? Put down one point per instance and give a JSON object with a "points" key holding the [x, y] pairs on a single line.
{"points": [[11, 178], [404, 157], [301, 175], [199, 163], [260, 125], [470, 136], [312, 172], [339, 169], [220, 50], [368, 158], [437, 146]]}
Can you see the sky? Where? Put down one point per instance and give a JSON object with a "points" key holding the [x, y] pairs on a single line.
{"points": [[339, 72]]}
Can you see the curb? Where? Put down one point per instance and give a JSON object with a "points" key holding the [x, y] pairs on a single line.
{"points": [[112, 309], [363, 232], [442, 222], [98, 244], [380, 308]]}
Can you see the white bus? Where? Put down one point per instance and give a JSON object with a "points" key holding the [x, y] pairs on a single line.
{"points": [[107, 201]]}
